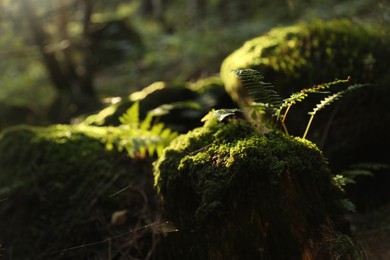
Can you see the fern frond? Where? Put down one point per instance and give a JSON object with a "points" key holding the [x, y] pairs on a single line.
{"points": [[137, 138], [131, 116], [328, 100], [262, 92], [147, 122], [302, 94]]}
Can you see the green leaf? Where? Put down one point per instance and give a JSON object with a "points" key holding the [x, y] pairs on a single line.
{"points": [[137, 138], [261, 91], [221, 114], [131, 117], [348, 205]]}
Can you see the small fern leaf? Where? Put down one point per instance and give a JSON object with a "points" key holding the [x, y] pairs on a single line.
{"points": [[302, 94], [261, 91], [147, 122], [326, 101], [330, 99], [131, 116], [156, 129], [348, 205], [140, 139]]}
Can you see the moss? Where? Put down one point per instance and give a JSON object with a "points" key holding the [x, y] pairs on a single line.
{"points": [[298, 56], [59, 183], [311, 53], [228, 180]]}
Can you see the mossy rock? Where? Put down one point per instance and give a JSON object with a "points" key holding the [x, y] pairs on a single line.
{"points": [[354, 129], [179, 106], [302, 55], [234, 192], [59, 189]]}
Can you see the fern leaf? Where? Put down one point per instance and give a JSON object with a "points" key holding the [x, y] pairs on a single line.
{"points": [[137, 138], [131, 116], [328, 100], [302, 94], [262, 92], [348, 205], [147, 122], [156, 129]]}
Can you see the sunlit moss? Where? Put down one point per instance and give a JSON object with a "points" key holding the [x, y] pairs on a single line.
{"points": [[310, 53], [228, 180]]}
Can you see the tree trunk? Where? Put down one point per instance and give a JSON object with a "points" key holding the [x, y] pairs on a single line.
{"points": [[75, 92]]}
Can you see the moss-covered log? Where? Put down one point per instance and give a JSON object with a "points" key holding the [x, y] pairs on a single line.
{"points": [[59, 190], [236, 193]]}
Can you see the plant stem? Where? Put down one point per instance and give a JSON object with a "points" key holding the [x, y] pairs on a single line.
{"points": [[308, 126], [285, 113]]}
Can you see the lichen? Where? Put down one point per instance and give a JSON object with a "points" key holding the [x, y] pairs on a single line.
{"points": [[228, 180]]}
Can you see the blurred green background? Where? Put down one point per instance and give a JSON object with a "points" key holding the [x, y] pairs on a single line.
{"points": [[63, 58]]}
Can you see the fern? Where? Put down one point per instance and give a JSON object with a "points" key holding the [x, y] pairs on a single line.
{"points": [[131, 116], [267, 100], [326, 101], [264, 95], [349, 175], [139, 138], [301, 95]]}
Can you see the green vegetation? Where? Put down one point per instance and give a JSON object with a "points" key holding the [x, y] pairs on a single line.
{"points": [[179, 106], [267, 100], [303, 56], [62, 186], [139, 139], [84, 189], [228, 173]]}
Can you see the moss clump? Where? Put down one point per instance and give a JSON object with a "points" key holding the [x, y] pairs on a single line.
{"points": [[294, 57], [305, 54], [235, 192], [58, 186]]}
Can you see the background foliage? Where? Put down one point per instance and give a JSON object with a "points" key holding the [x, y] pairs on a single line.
{"points": [[178, 40]]}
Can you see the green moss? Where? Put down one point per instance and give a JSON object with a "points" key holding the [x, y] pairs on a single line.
{"points": [[59, 183], [299, 56], [228, 180], [311, 53]]}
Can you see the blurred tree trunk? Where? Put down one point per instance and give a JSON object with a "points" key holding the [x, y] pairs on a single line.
{"points": [[155, 9], [195, 9], [73, 82]]}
